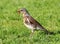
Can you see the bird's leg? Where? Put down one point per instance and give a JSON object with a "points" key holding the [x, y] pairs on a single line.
{"points": [[32, 32]]}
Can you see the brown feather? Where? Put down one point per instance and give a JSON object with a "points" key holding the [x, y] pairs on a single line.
{"points": [[34, 22]]}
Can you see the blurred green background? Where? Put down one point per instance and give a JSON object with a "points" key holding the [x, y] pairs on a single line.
{"points": [[12, 30]]}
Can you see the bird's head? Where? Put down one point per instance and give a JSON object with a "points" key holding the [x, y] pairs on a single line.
{"points": [[22, 10]]}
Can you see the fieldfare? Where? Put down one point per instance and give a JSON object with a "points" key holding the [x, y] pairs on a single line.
{"points": [[30, 22]]}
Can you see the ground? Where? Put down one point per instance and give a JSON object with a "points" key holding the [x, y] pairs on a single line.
{"points": [[12, 29]]}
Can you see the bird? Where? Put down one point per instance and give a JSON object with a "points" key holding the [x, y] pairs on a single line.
{"points": [[30, 22]]}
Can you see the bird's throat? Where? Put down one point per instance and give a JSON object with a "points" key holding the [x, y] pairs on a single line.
{"points": [[25, 14]]}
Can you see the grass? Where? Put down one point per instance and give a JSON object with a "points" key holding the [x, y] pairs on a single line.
{"points": [[12, 30]]}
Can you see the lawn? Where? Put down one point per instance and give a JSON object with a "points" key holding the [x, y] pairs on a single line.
{"points": [[12, 29]]}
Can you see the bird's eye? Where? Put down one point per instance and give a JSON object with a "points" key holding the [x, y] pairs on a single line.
{"points": [[21, 10]]}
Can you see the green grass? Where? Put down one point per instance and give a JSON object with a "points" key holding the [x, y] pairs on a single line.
{"points": [[12, 30]]}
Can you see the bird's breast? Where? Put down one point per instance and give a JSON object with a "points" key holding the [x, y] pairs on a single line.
{"points": [[29, 26], [27, 23]]}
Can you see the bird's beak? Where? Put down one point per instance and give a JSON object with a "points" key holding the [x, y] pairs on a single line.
{"points": [[18, 11]]}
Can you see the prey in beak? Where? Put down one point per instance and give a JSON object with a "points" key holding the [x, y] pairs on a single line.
{"points": [[18, 11]]}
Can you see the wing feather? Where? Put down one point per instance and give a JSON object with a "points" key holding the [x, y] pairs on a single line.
{"points": [[34, 22]]}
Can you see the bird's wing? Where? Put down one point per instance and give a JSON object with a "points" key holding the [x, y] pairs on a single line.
{"points": [[34, 22]]}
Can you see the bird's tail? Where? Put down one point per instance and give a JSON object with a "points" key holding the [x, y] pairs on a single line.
{"points": [[46, 31]]}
